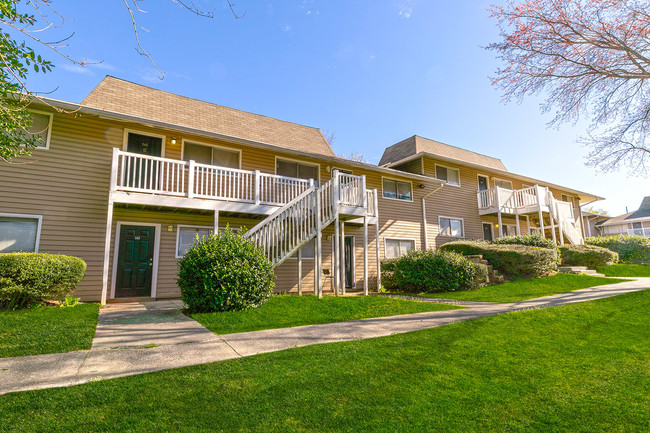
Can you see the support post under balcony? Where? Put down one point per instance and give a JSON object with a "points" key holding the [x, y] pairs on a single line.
{"points": [[365, 255], [318, 257], [498, 201], [342, 255], [336, 256], [377, 240], [258, 180]]}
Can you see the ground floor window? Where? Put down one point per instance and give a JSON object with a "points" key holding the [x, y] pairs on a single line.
{"points": [[452, 227], [19, 233], [509, 230], [395, 248], [186, 236]]}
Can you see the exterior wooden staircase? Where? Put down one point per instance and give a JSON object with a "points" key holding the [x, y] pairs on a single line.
{"points": [[494, 276]]}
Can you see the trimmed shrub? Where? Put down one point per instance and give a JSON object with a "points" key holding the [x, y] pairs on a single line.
{"points": [[533, 240], [224, 272], [431, 271], [514, 261], [630, 249], [587, 255], [31, 278]]}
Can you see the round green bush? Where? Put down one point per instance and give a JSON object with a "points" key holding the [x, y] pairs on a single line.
{"points": [[434, 271], [630, 249], [224, 272], [587, 255], [31, 278]]}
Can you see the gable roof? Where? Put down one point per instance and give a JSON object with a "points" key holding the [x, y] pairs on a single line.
{"points": [[639, 215], [416, 144], [121, 96]]}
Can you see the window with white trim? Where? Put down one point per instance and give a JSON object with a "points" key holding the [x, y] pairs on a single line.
{"points": [[397, 190], [19, 234], [186, 237], [507, 184], [211, 155], [568, 198], [395, 248], [509, 230], [450, 175], [41, 126], [452, 227], [285, 167]]}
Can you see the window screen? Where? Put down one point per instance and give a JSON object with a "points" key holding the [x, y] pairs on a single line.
{"points": [[398, 247], [187, 236], [41, 127], [397, 189], [18, 234], [451, 227]]}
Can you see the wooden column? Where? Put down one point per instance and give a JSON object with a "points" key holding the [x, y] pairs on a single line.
{"points": [[517, 222], [541, 214], [424, 224], [498, 200], [299, 271], [342, 255], [336, 259], [107, 251], [318, 251], [365, 255], [377, 241], [216, 222]]}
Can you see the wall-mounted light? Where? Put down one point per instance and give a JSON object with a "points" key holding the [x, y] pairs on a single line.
{"points": [[421, 186], [170, 228], [173, 140]]}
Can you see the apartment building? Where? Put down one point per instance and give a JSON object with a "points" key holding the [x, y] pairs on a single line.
{"points": [[127, 178]]}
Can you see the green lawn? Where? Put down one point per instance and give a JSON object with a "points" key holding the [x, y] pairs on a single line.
{"points": [[516, 291], [578, 368], [625, 270], [283, 311], [47, 330]]}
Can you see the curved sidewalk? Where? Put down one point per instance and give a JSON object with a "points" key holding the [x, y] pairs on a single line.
{"points": [[144, 337]]}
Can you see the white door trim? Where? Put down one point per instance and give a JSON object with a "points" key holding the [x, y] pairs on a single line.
{"points": [[156, 253]]}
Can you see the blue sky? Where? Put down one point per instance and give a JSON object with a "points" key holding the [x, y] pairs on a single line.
{"points": [[371, 72]]}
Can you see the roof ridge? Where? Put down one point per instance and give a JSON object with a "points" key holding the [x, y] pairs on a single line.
{"points": [[456, 147]]}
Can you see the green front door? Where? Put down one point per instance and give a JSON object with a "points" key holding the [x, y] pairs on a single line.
{"points": [[135, 261], [350, 279]]}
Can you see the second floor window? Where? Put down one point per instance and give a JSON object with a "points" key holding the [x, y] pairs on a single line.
{"points": [[211, 155], [41, 125], [503, 183], [450, 175], [284, 167], [396, 189]]}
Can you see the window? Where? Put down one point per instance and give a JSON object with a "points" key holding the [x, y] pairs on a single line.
{"points": [[297, 169], [186, 236], [211, 155], [451, 175], [509, 230], [41, 125], [452, 227], [397, 190], [568, 198], [503, 183], [19, 233], [395, 248]]}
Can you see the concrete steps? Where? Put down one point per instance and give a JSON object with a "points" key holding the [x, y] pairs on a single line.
{"points": [[494, 276], [578, 270]]}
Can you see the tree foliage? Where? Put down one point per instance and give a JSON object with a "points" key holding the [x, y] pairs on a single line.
{"points": [[588, 57], [29, 22]]}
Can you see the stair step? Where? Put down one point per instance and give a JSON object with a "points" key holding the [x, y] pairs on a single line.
{"points": [[572, 269]]}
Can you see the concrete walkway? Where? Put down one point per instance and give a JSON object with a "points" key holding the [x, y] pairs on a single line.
{"points": [[137, 338]]}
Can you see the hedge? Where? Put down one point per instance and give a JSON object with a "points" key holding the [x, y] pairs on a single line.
{"points": [[533, 240], [587, 255], [31, 278], [431, 271], [224, 272], [514, 261], [630, 249]]}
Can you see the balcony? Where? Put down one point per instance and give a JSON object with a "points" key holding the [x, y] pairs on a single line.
{"points": [[521, 201], [155, 181]]}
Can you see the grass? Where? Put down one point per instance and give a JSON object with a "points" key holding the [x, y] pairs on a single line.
{"points": [[622, 270], [579, 368], [521, 290], [283, 311], [41, 330]]}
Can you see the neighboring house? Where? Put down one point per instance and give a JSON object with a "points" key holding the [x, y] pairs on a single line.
{"points": [[127, 179], [632, 223], [482, 199], [592, 221]]}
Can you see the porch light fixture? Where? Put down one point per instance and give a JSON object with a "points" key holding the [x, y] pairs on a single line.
{"points": [[170, 228], [421, 186], [173, 140]]}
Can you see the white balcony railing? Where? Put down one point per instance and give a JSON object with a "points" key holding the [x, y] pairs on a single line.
{"points": [[645, 232], [170, 177], [133, 172]]}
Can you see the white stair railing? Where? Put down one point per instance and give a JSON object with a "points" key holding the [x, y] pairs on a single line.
{"points": [[562, 213]]}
